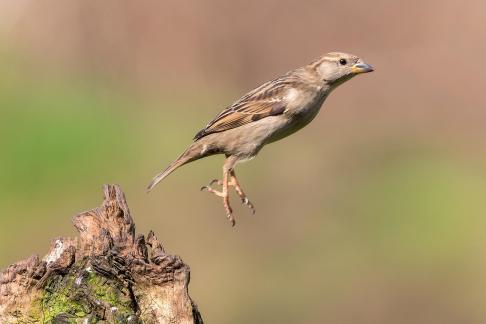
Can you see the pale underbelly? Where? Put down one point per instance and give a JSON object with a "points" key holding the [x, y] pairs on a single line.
{"points": [[296, 122]]}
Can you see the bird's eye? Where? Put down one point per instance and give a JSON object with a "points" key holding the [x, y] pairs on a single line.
{"points": [[343, 62]]}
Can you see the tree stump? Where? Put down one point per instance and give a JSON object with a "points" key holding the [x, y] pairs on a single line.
{"points": [[106, 274]]}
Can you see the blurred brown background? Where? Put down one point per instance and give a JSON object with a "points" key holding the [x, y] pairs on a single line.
{"points": [[373, 214]]}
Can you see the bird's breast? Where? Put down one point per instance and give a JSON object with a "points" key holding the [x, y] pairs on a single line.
{"points": [[298, 116]]}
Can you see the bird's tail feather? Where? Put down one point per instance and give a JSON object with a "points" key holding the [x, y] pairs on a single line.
{"points": [[191, 154]]}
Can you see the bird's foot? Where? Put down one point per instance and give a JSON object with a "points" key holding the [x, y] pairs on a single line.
{"points": [[211, 190], [244, 199], [225, 196], [229, 210], [233, 183]]}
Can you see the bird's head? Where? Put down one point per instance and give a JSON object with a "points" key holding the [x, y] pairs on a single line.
{"points": [[335, 68]]}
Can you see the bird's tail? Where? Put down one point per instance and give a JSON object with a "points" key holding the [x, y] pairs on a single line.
{"points": [[193, 152]]}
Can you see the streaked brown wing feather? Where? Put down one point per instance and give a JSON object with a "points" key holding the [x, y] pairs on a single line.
{"points": [[266, 100]]}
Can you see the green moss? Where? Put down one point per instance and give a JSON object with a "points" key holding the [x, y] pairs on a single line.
{"points": [[57, 299], [69, 299], [110, 293]]}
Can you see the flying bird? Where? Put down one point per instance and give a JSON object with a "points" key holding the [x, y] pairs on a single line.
{"points": [[264, 115]]}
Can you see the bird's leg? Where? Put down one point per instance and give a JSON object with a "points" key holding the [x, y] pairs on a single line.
{"points": [[227, 167], [244, 199], [226, 203], [233, 182]]}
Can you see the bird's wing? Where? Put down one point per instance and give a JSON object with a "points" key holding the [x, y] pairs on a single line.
{"points": [[266, 100]]}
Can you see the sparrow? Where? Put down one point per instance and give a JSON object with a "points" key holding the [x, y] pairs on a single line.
{"points": [[264, 115]]}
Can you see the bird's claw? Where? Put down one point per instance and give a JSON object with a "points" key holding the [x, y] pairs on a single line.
{"points": [[231, 219], [212, 182], [224, 194], [245, 201], [229, 211], [217, 181]]}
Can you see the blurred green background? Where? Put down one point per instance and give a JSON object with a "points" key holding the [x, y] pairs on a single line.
{"points": [[374, 213]]}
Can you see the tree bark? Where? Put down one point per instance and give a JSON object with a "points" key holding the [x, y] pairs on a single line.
{"points": [[106, 274]]}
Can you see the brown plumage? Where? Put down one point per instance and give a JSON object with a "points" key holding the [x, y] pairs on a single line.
{"points": [[266, 114]]}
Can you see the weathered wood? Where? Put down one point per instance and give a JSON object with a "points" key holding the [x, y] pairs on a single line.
{"points": [[106, 274]]}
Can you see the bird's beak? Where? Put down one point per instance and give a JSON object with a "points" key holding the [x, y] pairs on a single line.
{"points": [[361, 67]]}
